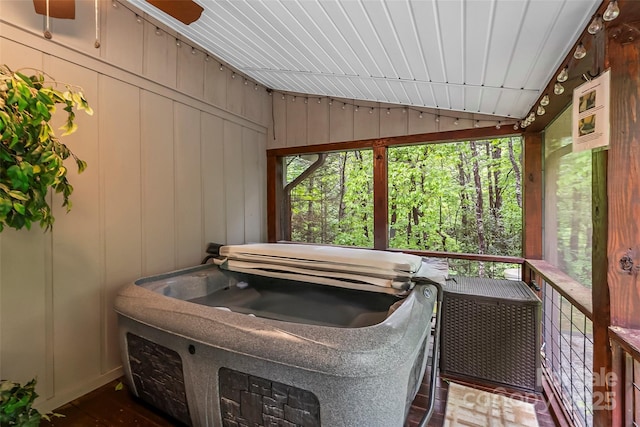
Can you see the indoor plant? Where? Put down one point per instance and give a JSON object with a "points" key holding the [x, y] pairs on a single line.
{"points": [[16, 404], [31, 156]]}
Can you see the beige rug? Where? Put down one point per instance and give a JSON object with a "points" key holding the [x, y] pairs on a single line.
{"points": [[470, 407]]}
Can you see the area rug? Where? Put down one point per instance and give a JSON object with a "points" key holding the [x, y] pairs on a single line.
{"points": [[470, 407]]}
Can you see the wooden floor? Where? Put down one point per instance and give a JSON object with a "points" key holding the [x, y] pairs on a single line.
{"points": [[110, 407]]}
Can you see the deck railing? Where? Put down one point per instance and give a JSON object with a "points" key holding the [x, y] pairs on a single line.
{"points": [[625, 381], [567, 340]]}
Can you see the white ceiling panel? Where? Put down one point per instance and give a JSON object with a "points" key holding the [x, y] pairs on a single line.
{"points": [[479, 56]]}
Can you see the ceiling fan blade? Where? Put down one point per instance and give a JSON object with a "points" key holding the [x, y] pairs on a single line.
{"points": [[185, 11], [64, 9]]}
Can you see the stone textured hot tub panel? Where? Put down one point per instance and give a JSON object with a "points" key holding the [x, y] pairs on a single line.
{"points": [[359, 376]]}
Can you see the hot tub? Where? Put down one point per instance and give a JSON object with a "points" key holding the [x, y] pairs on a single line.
{"points": [[215, 347]]}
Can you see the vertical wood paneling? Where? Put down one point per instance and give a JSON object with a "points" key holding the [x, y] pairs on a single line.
{"points": [[262, 183], [23, 304], [189, 236], [253, 104], [426, 124], [235, 93], [296, 121], [190, 71], [158, 192], [76, 309], [119, 127], [393, 122], [122, 38], [623, 180], [340, 122], [366, 123], [279, 137], [213, 179], [215, 83], [318, 121], [253, 186], [24, 281], [159, 56], [233, 183]]}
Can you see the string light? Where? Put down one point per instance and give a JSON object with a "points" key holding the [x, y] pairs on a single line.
{"points": [[545, 100], [233, 76], [420, 115], [344, 105], [319, 100], [356, 109], [388, 111], [456, 122], [207, 58], [540, 111], [194, 51], [293, 99], [138, 19], [256, 87], [437, 118], [114, 3], [221, 67], [558, 89], [371, 110], [596, 25], [498, 125], [563, 75], [476, 124], [612, 11], [580, 52], [178, 43], [158, 31], [515, 126], [306, 100]]}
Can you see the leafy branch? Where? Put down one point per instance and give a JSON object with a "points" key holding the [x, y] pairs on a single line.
{"points": [[31, 156]]}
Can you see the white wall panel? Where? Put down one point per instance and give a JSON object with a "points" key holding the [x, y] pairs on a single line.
{"points": [[296, 121], [366, 123], [119, 121], [318, 121], [213, 179], [190, 71], [235, 93], [122, 39], [215, 83], [340, 122], [77, 309], [254, 185], [159, 56], [158, 184], [189, 237], [234, 183], [393, 122]]}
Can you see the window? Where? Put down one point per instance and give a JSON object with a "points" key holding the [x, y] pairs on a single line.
{"points": [[461, 197], [567, 216], [330, 198]]}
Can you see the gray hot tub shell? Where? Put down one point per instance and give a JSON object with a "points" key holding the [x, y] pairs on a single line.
{"points": [[176, 354]]}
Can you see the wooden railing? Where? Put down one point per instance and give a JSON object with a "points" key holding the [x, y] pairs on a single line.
{"points": [[625, 379], [567, 335]]}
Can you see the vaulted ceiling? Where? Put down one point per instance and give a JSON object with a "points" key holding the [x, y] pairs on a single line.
{"points": [[480, 56]]}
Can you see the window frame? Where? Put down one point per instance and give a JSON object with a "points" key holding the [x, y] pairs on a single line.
{"points": [[275, 181]]}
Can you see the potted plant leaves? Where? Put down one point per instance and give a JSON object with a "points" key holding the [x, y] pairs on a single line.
{"points": [[31, 155]]}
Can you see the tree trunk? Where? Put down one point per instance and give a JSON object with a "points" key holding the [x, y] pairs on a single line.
{"points": [[479, 205], [343, 167], [516, 170]]}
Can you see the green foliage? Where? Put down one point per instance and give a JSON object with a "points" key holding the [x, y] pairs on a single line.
{"points": [[31, 156], [16, 404], [433, 200]]}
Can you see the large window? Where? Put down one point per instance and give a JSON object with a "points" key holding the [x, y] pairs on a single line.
{"points": [[462, 197], [567, 216]]}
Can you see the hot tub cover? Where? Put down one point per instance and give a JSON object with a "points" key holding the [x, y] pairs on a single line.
{"points": [[381, 271]]}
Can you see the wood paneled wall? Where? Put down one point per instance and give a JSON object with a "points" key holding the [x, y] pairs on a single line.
{"points": [[324, 120], [176, 158]]}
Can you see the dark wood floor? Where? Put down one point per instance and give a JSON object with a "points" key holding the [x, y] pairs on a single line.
{"points": [[107, 407]]}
